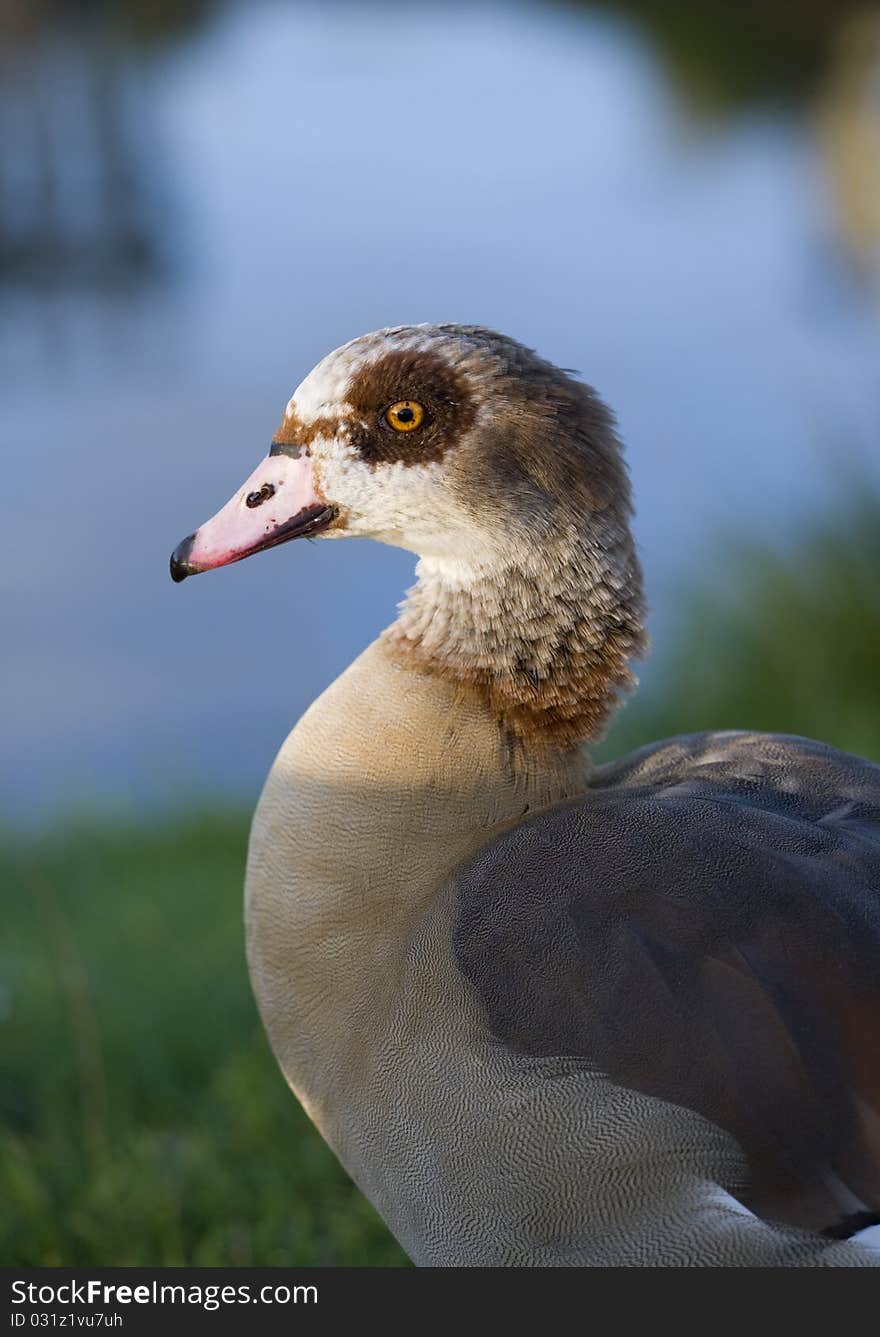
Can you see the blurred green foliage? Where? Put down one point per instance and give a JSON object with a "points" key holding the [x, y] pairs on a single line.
{"points": [[725, 57], [143, 1117], [144, 1120], [785, 639]]}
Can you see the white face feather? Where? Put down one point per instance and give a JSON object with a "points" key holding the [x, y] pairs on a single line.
{"points": [[404, 505], [322, 393], [324, 389]]}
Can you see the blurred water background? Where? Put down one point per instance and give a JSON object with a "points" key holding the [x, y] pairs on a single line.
{"points": [[197, 200]]}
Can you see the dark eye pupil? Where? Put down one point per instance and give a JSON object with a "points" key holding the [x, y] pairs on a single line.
{"points": [[405, 415]]}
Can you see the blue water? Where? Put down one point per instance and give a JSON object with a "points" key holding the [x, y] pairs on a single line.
{"points": [[314, 171]]}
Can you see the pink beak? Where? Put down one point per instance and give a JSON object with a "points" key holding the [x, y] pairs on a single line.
{"points": [[277, 503]]}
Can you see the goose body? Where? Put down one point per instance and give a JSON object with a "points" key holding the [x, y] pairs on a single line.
{"points": [[546, 1014]]}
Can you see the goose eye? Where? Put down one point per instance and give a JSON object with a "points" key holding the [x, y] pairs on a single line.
{"points": [[405, 416]]}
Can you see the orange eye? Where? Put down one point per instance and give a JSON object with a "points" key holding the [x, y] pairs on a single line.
{"points": [[405, 416]]}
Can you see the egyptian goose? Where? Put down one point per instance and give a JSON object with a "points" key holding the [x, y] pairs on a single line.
{"points": [[545, 1013]]}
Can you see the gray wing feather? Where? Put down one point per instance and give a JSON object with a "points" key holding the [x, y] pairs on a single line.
{"points": [[704, 926]]}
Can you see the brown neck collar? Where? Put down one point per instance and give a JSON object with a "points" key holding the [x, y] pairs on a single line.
{"points": [[546, 641]]}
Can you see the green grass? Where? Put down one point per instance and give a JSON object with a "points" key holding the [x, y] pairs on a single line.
{"points": [[144, 1120]]}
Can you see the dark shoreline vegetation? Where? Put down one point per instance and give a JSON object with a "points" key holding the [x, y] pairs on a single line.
{"points": [[143, 1118]]}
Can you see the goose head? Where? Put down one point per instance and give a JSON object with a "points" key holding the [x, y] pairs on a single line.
{"points": [[499, 470]]}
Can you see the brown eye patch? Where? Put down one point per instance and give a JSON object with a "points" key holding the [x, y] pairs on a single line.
{"points": [[409, 377]]}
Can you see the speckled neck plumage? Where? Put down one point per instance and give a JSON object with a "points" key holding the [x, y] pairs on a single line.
{"points": [[545, 640]]}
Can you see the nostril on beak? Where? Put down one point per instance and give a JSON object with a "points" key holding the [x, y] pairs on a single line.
{"points": [[254, 499]]}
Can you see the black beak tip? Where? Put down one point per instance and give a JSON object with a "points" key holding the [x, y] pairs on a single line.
{"points": [[179, 564]]}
